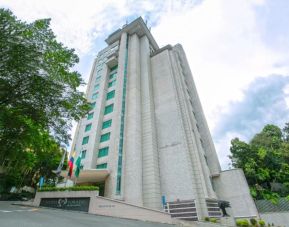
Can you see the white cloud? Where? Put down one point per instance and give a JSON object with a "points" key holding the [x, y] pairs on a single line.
{"points": [[223, 146], [286, 92], [76, 23]]}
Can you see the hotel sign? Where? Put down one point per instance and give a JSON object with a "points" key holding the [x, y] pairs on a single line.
{"points": [[79, 204]]}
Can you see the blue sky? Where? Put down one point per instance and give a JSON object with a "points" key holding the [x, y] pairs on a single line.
{"points": [[238, 51]]}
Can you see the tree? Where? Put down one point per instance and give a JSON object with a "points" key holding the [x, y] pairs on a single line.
{"points": [[38, 96], [265, 161]]}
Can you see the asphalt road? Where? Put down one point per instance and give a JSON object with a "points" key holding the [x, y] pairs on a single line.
{"points": [[21, 216]]}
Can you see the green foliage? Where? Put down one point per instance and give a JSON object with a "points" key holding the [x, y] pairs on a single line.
{"points": [[16, 196], [253, 221], [262, 223], [74, 188], [265, 161], [213, 220], [242, 223], [41, 155], [38, 99], [207, 219]]}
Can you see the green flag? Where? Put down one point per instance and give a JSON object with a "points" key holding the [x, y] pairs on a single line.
{"points": [[77, 164]]}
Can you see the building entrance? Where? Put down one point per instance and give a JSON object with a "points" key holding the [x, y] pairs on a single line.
{"points": [[101, 186]]}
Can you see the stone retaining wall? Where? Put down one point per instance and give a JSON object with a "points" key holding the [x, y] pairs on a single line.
{"points": [[109, 207]]}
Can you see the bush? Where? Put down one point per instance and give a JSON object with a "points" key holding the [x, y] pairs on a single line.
{"points": [[74, 188], [214, 220], [207, 219], [242, 222], [253, 221], [262, 223], [22, 196]]}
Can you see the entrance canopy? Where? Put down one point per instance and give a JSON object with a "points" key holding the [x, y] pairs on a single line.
{"points": [[88, 175]]}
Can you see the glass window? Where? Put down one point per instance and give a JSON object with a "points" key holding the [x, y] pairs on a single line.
{"points": [[113, 68], [89, 116], [101, 166], [83, 154], [198, 127], [97, 79], [110, 95], [95, 96], [99, 69], [106, 124], [87, 127], [114, 48], [102, 152], [112, 76], [105, 137], [112, 83], [206, 159], [92, 105], [96, 87], [85, 140], [108, 109]]}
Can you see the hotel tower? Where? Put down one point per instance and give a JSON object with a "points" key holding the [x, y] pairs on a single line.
{"points": [[145, 140]]}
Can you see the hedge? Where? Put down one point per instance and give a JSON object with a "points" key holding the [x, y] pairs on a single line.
{"points": [[242, 223], [262, 223], [74, 188]]}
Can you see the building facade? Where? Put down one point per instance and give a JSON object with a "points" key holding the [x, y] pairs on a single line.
{"points": [[146, 140]]}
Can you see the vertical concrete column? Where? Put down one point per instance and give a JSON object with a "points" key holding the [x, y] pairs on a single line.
{"points": [[116, 159], [132, 145], [197, 175], [209, 192], [212, 157], [151, 172]]}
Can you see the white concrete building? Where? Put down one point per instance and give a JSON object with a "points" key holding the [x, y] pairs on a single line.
{"points": [[146, 140]]}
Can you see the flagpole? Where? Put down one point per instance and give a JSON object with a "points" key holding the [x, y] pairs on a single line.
{"points": [[70, 169], [78, 167], [60, 166], [65, 182]]}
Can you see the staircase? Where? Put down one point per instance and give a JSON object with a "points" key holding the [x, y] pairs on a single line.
{"points": [[184, 210], [213, 208]]}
